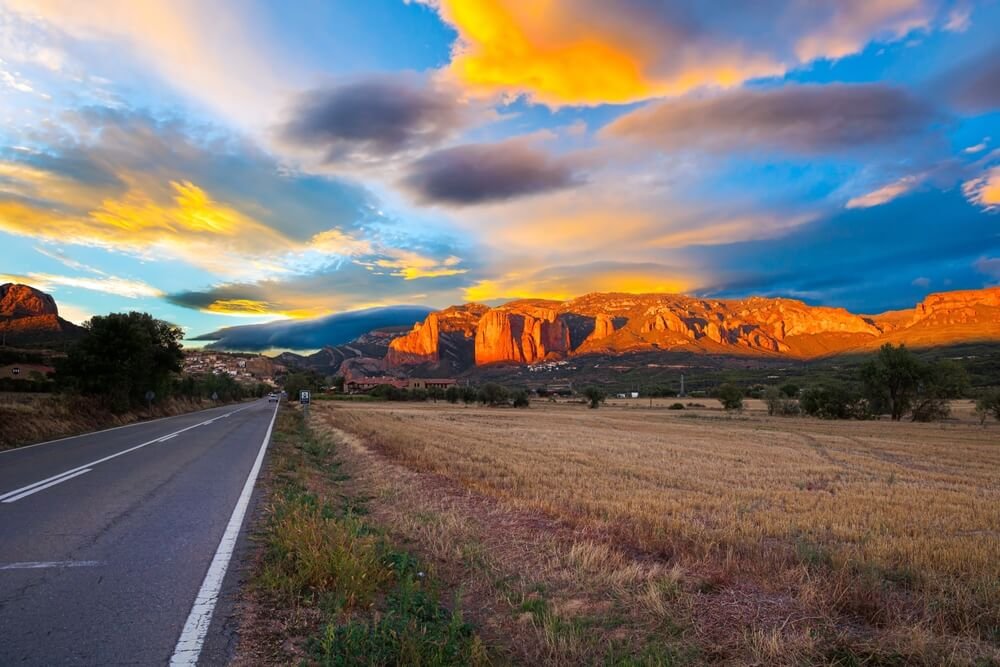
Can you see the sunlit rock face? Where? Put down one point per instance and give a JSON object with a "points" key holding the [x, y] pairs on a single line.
{"points": [[528, 331], [28, 315], [447, 335], [24, 301]]}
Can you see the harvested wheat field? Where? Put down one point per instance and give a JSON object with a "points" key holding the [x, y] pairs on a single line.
{"points": [[694, 537]]}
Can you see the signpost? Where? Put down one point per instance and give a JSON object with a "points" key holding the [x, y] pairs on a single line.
{"points": [[304, 402], [150, 395], [215, 395]]}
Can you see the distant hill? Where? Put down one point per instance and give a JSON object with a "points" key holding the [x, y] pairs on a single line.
{"points": [[527, 332], [30, 317], [320, 332]]}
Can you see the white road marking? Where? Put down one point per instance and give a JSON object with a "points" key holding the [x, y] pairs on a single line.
{"points": [[10, 499], [17, 494], [192, 638], [40, 564], [106, 430]]}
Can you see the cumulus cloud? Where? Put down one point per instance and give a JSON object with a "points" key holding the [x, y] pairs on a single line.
{"points": [[804, 119], [479, 173], [884, 194], [594, 52], [372, 119]]}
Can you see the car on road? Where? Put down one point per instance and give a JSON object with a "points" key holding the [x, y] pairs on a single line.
{"points": [[272, 397]]}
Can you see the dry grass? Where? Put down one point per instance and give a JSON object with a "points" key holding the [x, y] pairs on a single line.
{"points": [[757, 540], [30, 418]]}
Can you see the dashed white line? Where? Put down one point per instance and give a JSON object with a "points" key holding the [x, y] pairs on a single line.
{"points": [[192, 638], [34, 487], [42, 564]]}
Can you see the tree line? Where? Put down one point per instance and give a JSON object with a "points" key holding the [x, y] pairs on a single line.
{"points": [[894, 383]]}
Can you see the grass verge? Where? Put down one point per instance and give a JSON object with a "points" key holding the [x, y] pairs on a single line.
{"points": [[335, 587]]}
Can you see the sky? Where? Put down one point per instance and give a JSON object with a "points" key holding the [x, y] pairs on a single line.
{"points": [[242, 161]]}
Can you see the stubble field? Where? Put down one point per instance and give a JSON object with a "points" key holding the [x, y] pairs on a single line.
{"points": [[693, 536]]}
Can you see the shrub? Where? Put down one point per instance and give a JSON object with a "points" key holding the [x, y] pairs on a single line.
{"points": [[452, 394], [469, 395], [730, 396], [676, 406], [595, 396]]}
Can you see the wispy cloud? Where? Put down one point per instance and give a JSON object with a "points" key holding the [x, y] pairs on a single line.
{"points": [[884, 194]]}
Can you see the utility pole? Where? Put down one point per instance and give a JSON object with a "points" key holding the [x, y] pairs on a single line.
{"points": [[682, 385]]}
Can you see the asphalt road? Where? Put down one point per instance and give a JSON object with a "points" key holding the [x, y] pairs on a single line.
{"points": [[113, 545]]}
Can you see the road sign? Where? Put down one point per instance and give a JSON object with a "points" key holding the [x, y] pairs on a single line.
{"points": [[150, 396], [303, 396], [215, 395]]}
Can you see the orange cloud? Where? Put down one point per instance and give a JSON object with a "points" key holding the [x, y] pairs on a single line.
{"points": [[412, 266], [257, 309], [554, 52], [569, 282], [985, 190], [589, 52], [884, 194]]}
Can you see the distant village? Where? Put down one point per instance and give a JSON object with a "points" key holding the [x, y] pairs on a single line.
{"points": [[242, 368]]}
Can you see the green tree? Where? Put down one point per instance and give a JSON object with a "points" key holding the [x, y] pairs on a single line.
{"points": [[469, 395], [891, 380], [833, 402], [790, 390], [939, 382], [452, 394], [492, 394], [595, 395], [779, 403], [988, 404], [123, 356], [730, 396], [520, 399]]}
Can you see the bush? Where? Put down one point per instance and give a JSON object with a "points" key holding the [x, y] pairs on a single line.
{"points": [[730, 396], [676, 406], [469, 395], [595, 396], [452, 394]]}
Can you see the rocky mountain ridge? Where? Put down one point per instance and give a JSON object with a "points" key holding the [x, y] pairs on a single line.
{"points": [[528, 331]]}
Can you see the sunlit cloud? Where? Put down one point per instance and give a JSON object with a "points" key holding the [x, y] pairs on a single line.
{"points": [[884, 194], [131, 289], [590, 52], [567, 282], [984, 191], [412, 266]]}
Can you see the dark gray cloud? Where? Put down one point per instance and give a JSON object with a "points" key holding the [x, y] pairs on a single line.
{"points": [[974, 86], [372, 118], [310, 334], [794, 118], [480, 173]]}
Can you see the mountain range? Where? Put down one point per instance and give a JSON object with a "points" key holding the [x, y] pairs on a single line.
{"points": [[529, 331]]}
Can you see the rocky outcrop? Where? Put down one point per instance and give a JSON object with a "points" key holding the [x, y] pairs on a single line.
{"points": [[417, 347], [521, 337], [23, 301], [958, 307], [443, 338], [30, 316]]}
